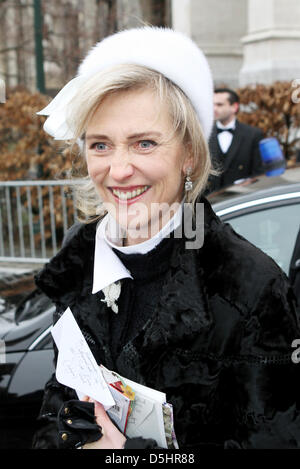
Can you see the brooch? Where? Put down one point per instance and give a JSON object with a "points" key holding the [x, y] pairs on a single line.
{"points": [[111, 294]]}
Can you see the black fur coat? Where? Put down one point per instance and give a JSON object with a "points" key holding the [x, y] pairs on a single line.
{"points": [[219, 343]]}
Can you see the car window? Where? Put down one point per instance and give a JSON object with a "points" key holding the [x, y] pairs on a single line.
{"points": [[273, 230]]}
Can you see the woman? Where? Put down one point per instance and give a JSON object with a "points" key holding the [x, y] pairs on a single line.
{"points": [[209, 322]]}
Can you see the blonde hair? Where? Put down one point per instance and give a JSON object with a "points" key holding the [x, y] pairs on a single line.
{"points": [[184, 118]]}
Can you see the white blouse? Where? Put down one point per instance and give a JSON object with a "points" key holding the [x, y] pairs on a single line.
{"points": [[108, 268]]}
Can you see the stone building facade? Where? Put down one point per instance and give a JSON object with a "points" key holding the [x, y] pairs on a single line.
{"points": [[246, 41]]}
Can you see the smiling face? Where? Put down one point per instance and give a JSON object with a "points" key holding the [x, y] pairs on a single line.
{"points": [[134, 159]]}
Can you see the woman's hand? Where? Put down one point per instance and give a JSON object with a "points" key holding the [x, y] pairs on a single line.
{"points": [[111, 438]]}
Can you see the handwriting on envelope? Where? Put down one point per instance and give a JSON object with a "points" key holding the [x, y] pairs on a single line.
{"points": [[76, 366]]}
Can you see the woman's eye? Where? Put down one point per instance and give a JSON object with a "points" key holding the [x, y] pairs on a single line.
{"points": [[99, 146], [146, 144]]}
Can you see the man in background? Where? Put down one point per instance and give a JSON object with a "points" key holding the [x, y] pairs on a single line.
{"points": [[233, 145]]}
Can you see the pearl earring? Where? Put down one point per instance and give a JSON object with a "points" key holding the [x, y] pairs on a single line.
{"points": [[188, 185]]}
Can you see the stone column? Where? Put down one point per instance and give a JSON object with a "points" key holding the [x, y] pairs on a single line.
{"points": [[217, 27], [181, 16], [272, 45]]}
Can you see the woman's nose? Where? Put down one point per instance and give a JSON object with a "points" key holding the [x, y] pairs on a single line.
{"points": [[121, 168]]}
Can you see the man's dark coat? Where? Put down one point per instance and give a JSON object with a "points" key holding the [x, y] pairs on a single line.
{"points": [[218, 343], [242, 160]]}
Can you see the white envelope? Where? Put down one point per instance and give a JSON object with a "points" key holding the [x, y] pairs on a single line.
{"points": [[146, 418], [76, 366]]}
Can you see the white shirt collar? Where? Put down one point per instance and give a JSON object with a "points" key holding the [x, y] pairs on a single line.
{"points": [[231, 125], [108, 268]]}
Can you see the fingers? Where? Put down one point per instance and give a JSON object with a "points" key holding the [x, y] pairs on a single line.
{"points": [[100, 414], [85, 399]]}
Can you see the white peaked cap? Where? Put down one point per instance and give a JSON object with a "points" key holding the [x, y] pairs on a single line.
{"points": [[171, 53]]}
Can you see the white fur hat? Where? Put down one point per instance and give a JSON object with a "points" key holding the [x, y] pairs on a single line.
{"points": [[171, 53]]}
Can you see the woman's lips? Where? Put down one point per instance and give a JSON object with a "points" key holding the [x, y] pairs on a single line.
{"points": [[128, 195]]}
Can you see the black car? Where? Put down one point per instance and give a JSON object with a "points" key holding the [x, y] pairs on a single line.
{"points": [[26, 358], [265, 210]]}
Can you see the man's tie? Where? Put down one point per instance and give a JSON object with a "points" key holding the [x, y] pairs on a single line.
{"points": [[219, 131]]}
